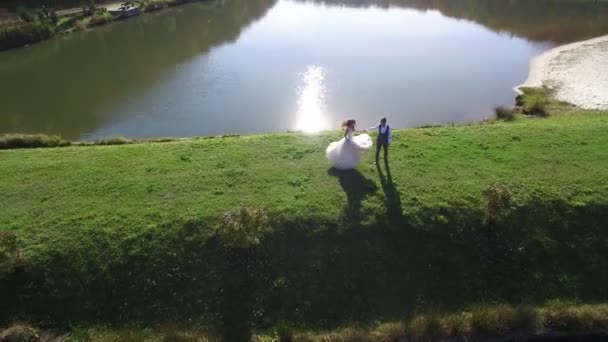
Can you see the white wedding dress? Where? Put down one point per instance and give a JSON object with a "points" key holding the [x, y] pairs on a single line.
{"points": [[346, 153]]}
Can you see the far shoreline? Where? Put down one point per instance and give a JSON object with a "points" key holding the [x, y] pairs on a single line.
{"points": [[576, 72]]}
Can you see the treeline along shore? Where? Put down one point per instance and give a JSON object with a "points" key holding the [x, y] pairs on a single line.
{"points": [[37, 24]]}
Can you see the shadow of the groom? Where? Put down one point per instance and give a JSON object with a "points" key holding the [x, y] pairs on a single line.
{"points": [[394, 210]]}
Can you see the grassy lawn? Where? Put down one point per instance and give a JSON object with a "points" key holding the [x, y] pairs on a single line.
{"points": [[484, 214]]}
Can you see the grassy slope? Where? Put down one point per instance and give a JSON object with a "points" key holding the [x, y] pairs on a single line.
{"points": [[126, 233], [136, 186]]}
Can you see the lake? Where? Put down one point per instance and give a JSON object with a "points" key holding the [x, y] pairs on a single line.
{"points": [[250, 66]]}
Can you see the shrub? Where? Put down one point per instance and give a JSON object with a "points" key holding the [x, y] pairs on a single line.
{"points": [[9, 141], [113, 141], [20, 35], [497, 319], [497, 199], [457, 324], [243, 228], [154, 5], [54, 17], [66, 23], [174, 2], [20, 333], [504, 113], [390, 332], [10, 254], [527, 319], [25, 14], [425, 326], [100, 19], [174, 333], [41, 17], [284, 332], [80, 25], [534, 105]]}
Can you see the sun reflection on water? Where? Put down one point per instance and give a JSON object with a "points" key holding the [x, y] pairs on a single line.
{"points": [[311, 101]]}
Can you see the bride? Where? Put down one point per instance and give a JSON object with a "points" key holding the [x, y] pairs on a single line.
{"points": [[345, 154]]}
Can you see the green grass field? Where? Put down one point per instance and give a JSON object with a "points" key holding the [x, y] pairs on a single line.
{"points": [[499, 213]]}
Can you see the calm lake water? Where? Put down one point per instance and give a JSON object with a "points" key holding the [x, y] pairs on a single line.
{"points": [[247, 66]]}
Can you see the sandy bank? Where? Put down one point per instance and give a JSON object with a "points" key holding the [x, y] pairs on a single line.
{"points": [[577, 72]]}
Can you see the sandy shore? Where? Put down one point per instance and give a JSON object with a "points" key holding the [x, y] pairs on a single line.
{"points": [[577, 72]]}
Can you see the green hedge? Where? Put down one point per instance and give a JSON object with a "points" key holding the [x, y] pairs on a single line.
{"points": [[10, 141], [28, 33]]}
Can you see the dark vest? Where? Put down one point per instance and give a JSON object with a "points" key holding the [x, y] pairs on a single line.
{"points": [[383, 137]]}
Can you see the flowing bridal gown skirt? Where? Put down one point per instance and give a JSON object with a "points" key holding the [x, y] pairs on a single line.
{"points": [[346, 154]]}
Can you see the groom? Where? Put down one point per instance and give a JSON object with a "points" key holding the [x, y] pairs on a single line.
{"points": [[385, 138]]}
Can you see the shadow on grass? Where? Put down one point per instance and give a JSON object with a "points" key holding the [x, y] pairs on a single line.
{"points": [[394, 210], [314, 272], [356, 187]]}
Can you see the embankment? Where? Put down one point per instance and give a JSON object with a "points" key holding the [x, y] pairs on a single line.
{"points": [[254, 233]]}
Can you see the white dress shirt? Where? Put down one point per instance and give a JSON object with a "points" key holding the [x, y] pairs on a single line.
{"points": [[383, 130]]}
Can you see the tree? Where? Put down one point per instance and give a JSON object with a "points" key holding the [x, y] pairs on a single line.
{"points": [[91, 6]]}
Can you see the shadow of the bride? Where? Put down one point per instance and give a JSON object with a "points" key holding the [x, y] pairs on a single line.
{"points": [[356, 187]]}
